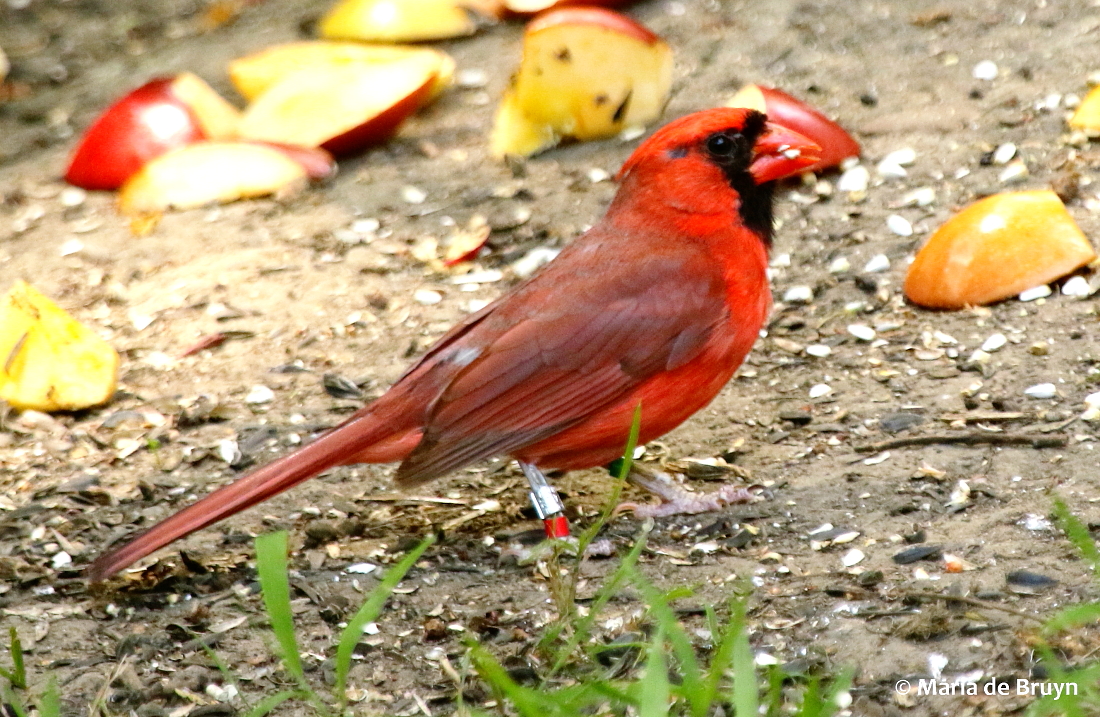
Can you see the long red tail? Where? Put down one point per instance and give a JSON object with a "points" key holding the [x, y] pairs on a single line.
{"points": [[353, 439]]}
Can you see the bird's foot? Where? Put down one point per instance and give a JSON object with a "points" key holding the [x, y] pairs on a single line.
{"points": [[675, 500]]}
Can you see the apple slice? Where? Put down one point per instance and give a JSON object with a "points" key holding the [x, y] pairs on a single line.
{"points": [[162, 114], [586, 73], [254, 74], [4, 65], [996, 248], [836, 144], [48, 360], [342, 108], [397, 20], [204, 173], [1087, 115]]}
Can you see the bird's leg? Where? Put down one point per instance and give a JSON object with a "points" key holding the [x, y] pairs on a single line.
{"points": [[546, 502], [674, 499]]}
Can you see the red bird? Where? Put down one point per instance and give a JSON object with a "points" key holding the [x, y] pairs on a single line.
{"points": [[656, 305]]}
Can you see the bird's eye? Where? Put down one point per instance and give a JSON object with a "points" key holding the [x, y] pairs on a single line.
{"points": [[720, 145]]}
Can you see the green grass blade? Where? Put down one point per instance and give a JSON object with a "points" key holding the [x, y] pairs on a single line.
{"points": [[12, 701], [267, 704], [17, 676], [655, 690], [1078, 534], [746, 697], [726, 641], [369, 611], [527, 702], [50, 704], [1072, 617], [271, 550], [624, 469]]}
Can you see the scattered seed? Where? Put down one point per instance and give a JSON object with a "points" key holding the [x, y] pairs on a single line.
{"points": [[820, 389], [71, 246], [60, 560], [922, 197], [880, 262], [427, 296], [1035, 522], [259, 394], [1023, 582], [855, 179], [876, 459], [994, 343], [597, 175], [1041, 390], [1039, 348], [361, 568], [918, 552], [72, 196], [780, 261], [798, 295], [532, 260], [899, 225], [985, 70], [1015, 171], [413, 195], [818, 350], [840, 265], [1078, 287], [1039, 292], [1004, 153], [863, 332], [229, 451], [852, 557], [472, 78]]}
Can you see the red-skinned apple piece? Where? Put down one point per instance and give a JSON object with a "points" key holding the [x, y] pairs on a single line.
{"points": [[528, 8], [343, 108], [205, 172], [836, 144], [162, 114]]}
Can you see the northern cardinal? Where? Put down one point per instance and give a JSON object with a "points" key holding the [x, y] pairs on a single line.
{"points": [[657, 305]]}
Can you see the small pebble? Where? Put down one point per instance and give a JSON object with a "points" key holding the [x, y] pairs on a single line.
{"points": [[899, 225], [820, 389], [855, 179], [1004, 153], [994, 342], [259, 394], [427, 297], [780, 261], [472, 78], [985, 70], [840, 265], [863, 332], [979, 357], [1041, 390], [918, 552], [60, 560], [880, 262], [818, 350], [1039, 348], [798, 295], [1077, 286], [1038, 292], [361, 568]]}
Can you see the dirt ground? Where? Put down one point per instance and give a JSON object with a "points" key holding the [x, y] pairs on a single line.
{"points": [[303, 288]]}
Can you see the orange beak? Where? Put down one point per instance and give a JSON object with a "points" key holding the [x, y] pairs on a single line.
{"points": [[781, 152]]}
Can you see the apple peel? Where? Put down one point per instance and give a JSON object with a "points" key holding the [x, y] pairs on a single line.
{"points": [[783, 109], [162, 114], [219, 172], [586, 73], [48, 360], [254, 74], [996, 248]]}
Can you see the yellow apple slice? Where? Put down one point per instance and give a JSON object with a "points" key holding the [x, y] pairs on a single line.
{"points": [[48, 360], [396, 20], [586, 73], [254, 74], [216, 172], [343, 108], [1087, 115], [996, 248]]}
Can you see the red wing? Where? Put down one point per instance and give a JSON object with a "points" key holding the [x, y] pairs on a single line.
{"points": [[568, 345]]}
